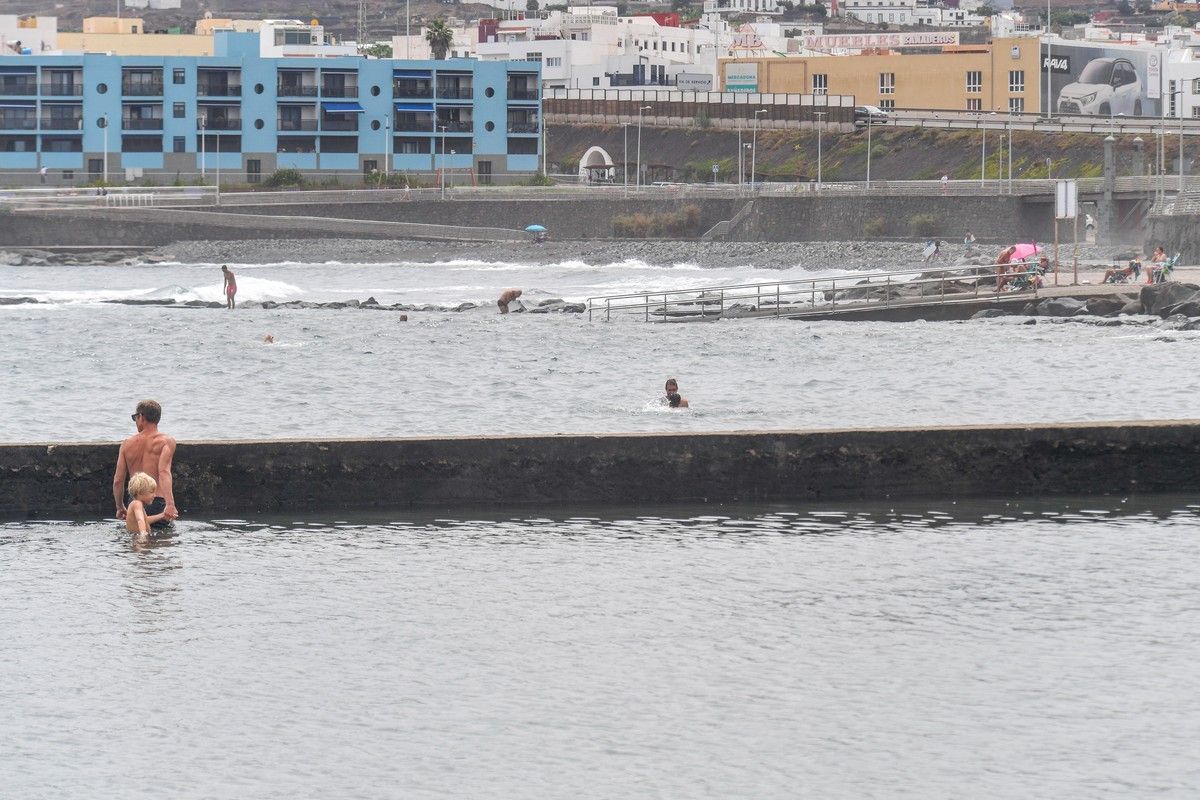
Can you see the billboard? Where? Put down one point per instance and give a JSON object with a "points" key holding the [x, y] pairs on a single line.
{"points": [[870, 41], [1090, 80], [741, 77], [694, 82]]}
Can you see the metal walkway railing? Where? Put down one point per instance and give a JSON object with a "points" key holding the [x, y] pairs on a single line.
{"points": [[840, 293]]}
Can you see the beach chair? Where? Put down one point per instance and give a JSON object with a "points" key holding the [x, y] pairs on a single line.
{"points": [[1027, 279], [1163, 274]]}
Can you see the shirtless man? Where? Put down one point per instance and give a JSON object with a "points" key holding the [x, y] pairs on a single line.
{"points": [[229, 286], [150, 451], [1003, 267], [507, 297], [674, 399]]}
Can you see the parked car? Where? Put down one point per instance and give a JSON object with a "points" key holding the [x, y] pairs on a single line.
{"points": [[1106, 86], [870, 115]]}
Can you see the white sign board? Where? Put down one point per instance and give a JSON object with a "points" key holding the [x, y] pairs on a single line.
{"points": [[1066, 199], [741, 77], [694, 82], [869, 41]]}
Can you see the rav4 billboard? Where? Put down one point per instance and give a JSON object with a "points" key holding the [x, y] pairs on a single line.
{"points": [[1103, 81]]}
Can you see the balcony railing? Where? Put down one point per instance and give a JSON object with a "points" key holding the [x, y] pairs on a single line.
{"points": [[142, 89], [62, 89], [413, 124], [218, 90], [18, 123], [339, 124], [408, 90], [522, 127], [522, 94], [339, 91], [62, 123], [296, 124], [456, 126], [296, 90], [455, 92], [18, 88], [140, 124], [219, 124]]}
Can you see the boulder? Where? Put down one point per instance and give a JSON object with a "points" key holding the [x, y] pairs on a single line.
{"points": [[989, 313], [370, 301], [1060, 307], [1103, 306], [1030, 322], [1175, 322], [1029, 310], [1158, 297], [1132, 307], [1188, 308]]}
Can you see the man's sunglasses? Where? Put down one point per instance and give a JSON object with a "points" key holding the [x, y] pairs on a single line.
{"points": [[134, 417]]}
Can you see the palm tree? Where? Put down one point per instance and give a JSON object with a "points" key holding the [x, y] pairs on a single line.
{"points": [[440, 37]]}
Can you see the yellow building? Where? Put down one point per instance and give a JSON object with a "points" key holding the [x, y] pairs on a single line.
{"points": [[1002, 77], [126, 36]]}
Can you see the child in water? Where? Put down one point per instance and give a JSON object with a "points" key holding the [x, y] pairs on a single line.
{"points": [[141, 488]]}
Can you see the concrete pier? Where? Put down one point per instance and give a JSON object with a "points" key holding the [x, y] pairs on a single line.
{"points": [[64, 481]]}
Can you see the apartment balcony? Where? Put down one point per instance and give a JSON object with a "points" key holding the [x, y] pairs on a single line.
{"points": [[412, 90], [296, 124], [219, 124], [62, 89], [522, 94], [141, 124], [19, 88], [153, 89], [17, 123], [456, 125], [339, 91], [62, 123], [296, 90], [455, 92], [339, 124], [219, 90], [522, 127]]}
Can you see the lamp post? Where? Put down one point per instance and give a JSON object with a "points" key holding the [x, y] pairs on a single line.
{"points": [[739, 151], [1049, 107], [870, 124], [104, 128], [983, 153], [408, 30], [218, 201], [203, 125], [442, 169], [625, 155], [639, 144], [820, 115], [387, 149], [754, 149]]}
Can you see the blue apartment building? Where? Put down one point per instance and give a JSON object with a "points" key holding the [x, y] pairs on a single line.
{"points": [[80, 116]]}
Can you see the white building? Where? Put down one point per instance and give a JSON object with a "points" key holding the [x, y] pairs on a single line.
{"points": [[291, 38], [19, 34], [915, 12], [744, 6], [157, 5]]}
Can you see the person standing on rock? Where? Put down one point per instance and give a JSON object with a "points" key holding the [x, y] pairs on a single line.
{"points": [[150, 451], [506, 297], [230, 285]]}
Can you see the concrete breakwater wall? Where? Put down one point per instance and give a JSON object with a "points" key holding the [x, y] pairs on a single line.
{"points": [[55, 481]]}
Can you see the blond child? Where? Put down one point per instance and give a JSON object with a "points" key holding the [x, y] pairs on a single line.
{"points": [[141, 489]]}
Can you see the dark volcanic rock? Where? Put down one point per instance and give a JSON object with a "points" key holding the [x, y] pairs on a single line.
{"points": [[1159, 297], [1060, 307], [1104, 306], [989, 313]]}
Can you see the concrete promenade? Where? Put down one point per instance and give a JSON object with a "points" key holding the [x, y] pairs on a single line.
{"points": [[64, 481]]}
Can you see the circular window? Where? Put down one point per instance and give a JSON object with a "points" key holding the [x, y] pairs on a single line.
{"points": [[489, 126], [258, 88], [258, 124], [102, 88], [374, 124], [489, 92], [375, 91], [102, 122]]}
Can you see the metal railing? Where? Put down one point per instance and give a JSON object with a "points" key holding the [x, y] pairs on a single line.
{"points": [[113, 196], [852, 291], [62, 89]]}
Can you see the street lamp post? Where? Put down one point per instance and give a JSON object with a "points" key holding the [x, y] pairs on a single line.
{"points": [[983, 155], [1009, 133], [442, 170], [625, 155], [1049, 107], [639, 144], [740, 170], [203, 153], [820, 115], [870, 124], [387, 149], [218, 202], [754, 149], [105, 129]]}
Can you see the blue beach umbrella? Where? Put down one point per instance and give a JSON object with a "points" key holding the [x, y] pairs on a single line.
{"points": [[535, 228]]}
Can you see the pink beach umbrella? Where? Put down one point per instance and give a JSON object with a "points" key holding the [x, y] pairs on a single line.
{"points": [[1024, 251]]}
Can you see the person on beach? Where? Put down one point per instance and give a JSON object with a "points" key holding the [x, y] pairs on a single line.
{"points": [[1002, 266], [506, 297], [674, 399], [141, 492], [230, 285], [969, 241], [150, 451], [1156, 263]]}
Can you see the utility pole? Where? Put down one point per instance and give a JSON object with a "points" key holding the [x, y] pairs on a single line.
{"points": [[362, 29], [820, 115], [754, 150]]}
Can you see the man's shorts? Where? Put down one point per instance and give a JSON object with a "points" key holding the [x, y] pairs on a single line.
{"points": [[156, 506]]}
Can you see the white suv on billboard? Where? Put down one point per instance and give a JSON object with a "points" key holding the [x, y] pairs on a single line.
{"points": [[1106, 86]]}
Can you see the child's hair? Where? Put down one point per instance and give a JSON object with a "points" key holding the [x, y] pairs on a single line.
{"points": [[141, 483], [674, 400]]}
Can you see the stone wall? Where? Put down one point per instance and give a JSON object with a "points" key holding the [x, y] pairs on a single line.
{"points": [[245, 478]]}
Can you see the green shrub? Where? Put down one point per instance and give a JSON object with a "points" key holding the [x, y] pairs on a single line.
{"points": [[684, 222], [874, 228], [923, 224], [538, 180], [283, 178]]}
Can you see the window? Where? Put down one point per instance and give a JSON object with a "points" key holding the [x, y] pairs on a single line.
{"points": [[253, 170], [974, 104], [522, 146], [533, 56], [178, 110], [820, 84], [1171, 95], [555, 61], [595, 81], [1016, 104], [1195, 112], [179, 145], [887, 83], [68, 174], [1196, 86], [975, 81], [1016, 80], [887, 105], [410, 145], [177, 76]]}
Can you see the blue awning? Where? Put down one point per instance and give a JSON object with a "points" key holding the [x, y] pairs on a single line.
{"points": [[18, 70], [411, 73], [28, 105], [414, 106], [343, 107]]}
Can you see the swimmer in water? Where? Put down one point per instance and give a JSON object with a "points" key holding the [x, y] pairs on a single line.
{"points": [[268, 339], [506, 297], [230, 285], [674, 399], [141, 489]]}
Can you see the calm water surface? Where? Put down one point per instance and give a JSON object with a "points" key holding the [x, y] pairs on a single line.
{"points": [[73, 367], [988, 651]]}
